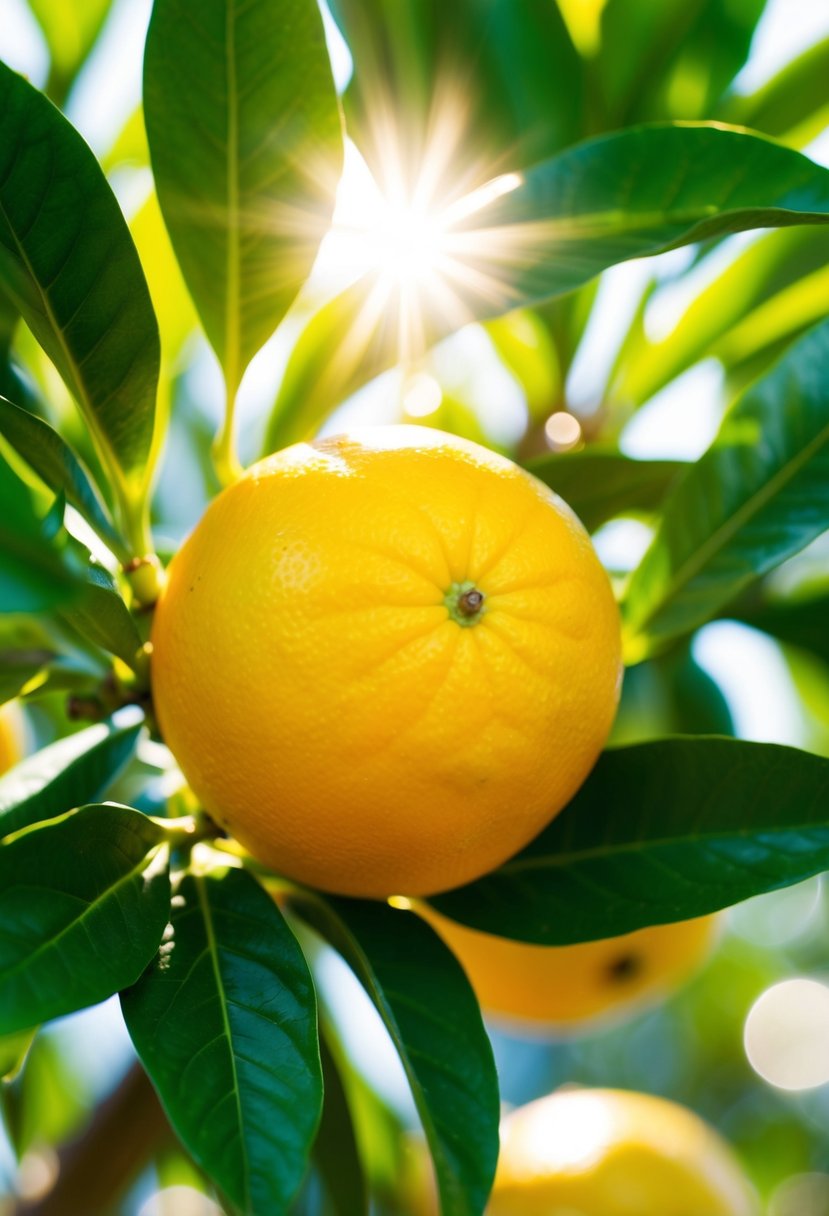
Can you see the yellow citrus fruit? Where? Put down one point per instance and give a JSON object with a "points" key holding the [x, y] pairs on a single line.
{"points": [[384, 661], [608, 1152], [564, 987], [11, 736]]}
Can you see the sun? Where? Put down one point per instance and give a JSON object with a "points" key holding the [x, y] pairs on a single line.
{"points": [[409, 232]]}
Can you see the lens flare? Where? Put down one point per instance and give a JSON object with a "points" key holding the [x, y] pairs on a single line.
{"points": [[413, 232]]}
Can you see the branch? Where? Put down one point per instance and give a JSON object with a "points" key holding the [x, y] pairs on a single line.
{"points": [[100, 1164]]}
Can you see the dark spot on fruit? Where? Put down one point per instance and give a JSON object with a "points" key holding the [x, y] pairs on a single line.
{"points": [[625, 967]]}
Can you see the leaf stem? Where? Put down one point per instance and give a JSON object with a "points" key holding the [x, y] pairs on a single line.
{"points": [[135, 515], [225, 461]]}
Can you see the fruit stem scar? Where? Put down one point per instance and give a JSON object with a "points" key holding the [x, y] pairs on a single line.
{"points": [[465, 603], [626, 967]]}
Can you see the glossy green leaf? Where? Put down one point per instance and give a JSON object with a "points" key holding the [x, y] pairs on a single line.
{"points": [[625, 195], [48, 1103], [758, 495], [525, 346], [403, 965], [669, 695], [83, 904], [36, 573], [335, 1152], [800, 620], [671, 60], [757, 279], [762, 334], [600, 484], [67, 774], [659, 832], [18, 668], [466, 88], [71, 29], [57, 465], [225, 1024], [244, 132], [129, 148], [68, 263], [632, 194], [794, 102], [13, 1051], [173, 306], [100, 615], [346, 343]]}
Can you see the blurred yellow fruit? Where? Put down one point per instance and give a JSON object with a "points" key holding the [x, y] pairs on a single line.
{"points": [[607, 1152], [385, 661], [11, 736], [563, 987]]}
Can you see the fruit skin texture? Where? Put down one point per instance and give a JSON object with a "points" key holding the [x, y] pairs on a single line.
{"points": [[609, 1152], [562, 988], [324, 703], [11, 736]]}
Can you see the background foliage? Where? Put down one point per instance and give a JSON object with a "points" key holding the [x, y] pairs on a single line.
{"points": [[165, 293]]}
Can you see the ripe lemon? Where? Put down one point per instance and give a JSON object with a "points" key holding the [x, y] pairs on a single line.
{"points": [[385, 661], [613, 1153], [563, 987], [11, 736]]}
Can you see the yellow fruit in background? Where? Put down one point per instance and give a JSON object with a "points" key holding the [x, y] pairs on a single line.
{"points": [[563, 987], [385, 661], [608, 1152], [11, 736]]}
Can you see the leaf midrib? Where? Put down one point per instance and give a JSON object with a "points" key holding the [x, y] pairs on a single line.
{"points": [[720, 537], [232, 167], [619, 222], [108, 453], [213, 952], [91, 907], [378, 996], [600, 852]]}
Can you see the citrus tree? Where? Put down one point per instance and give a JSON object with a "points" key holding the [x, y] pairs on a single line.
{"points": [[364, 706]]}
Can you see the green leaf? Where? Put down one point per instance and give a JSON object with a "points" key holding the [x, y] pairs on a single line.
{"points": [[68, 264], [335, 1151], [48, 1103], [793, 102], [801, 622], [670, 695], [58, 467], [71, 29], [433, 1018], [225, 1024], [759, 494], [100, 615], [626, 195], [671, 60], [525, 346], [173, 306], [18, 668], [470, 83], [342, 347], [246, 147], [602, 483], [67, 774], [756, 279], [13, 1051], [659, 832], [83, 904], [35, 574], [759, 338], [632, 194]]}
